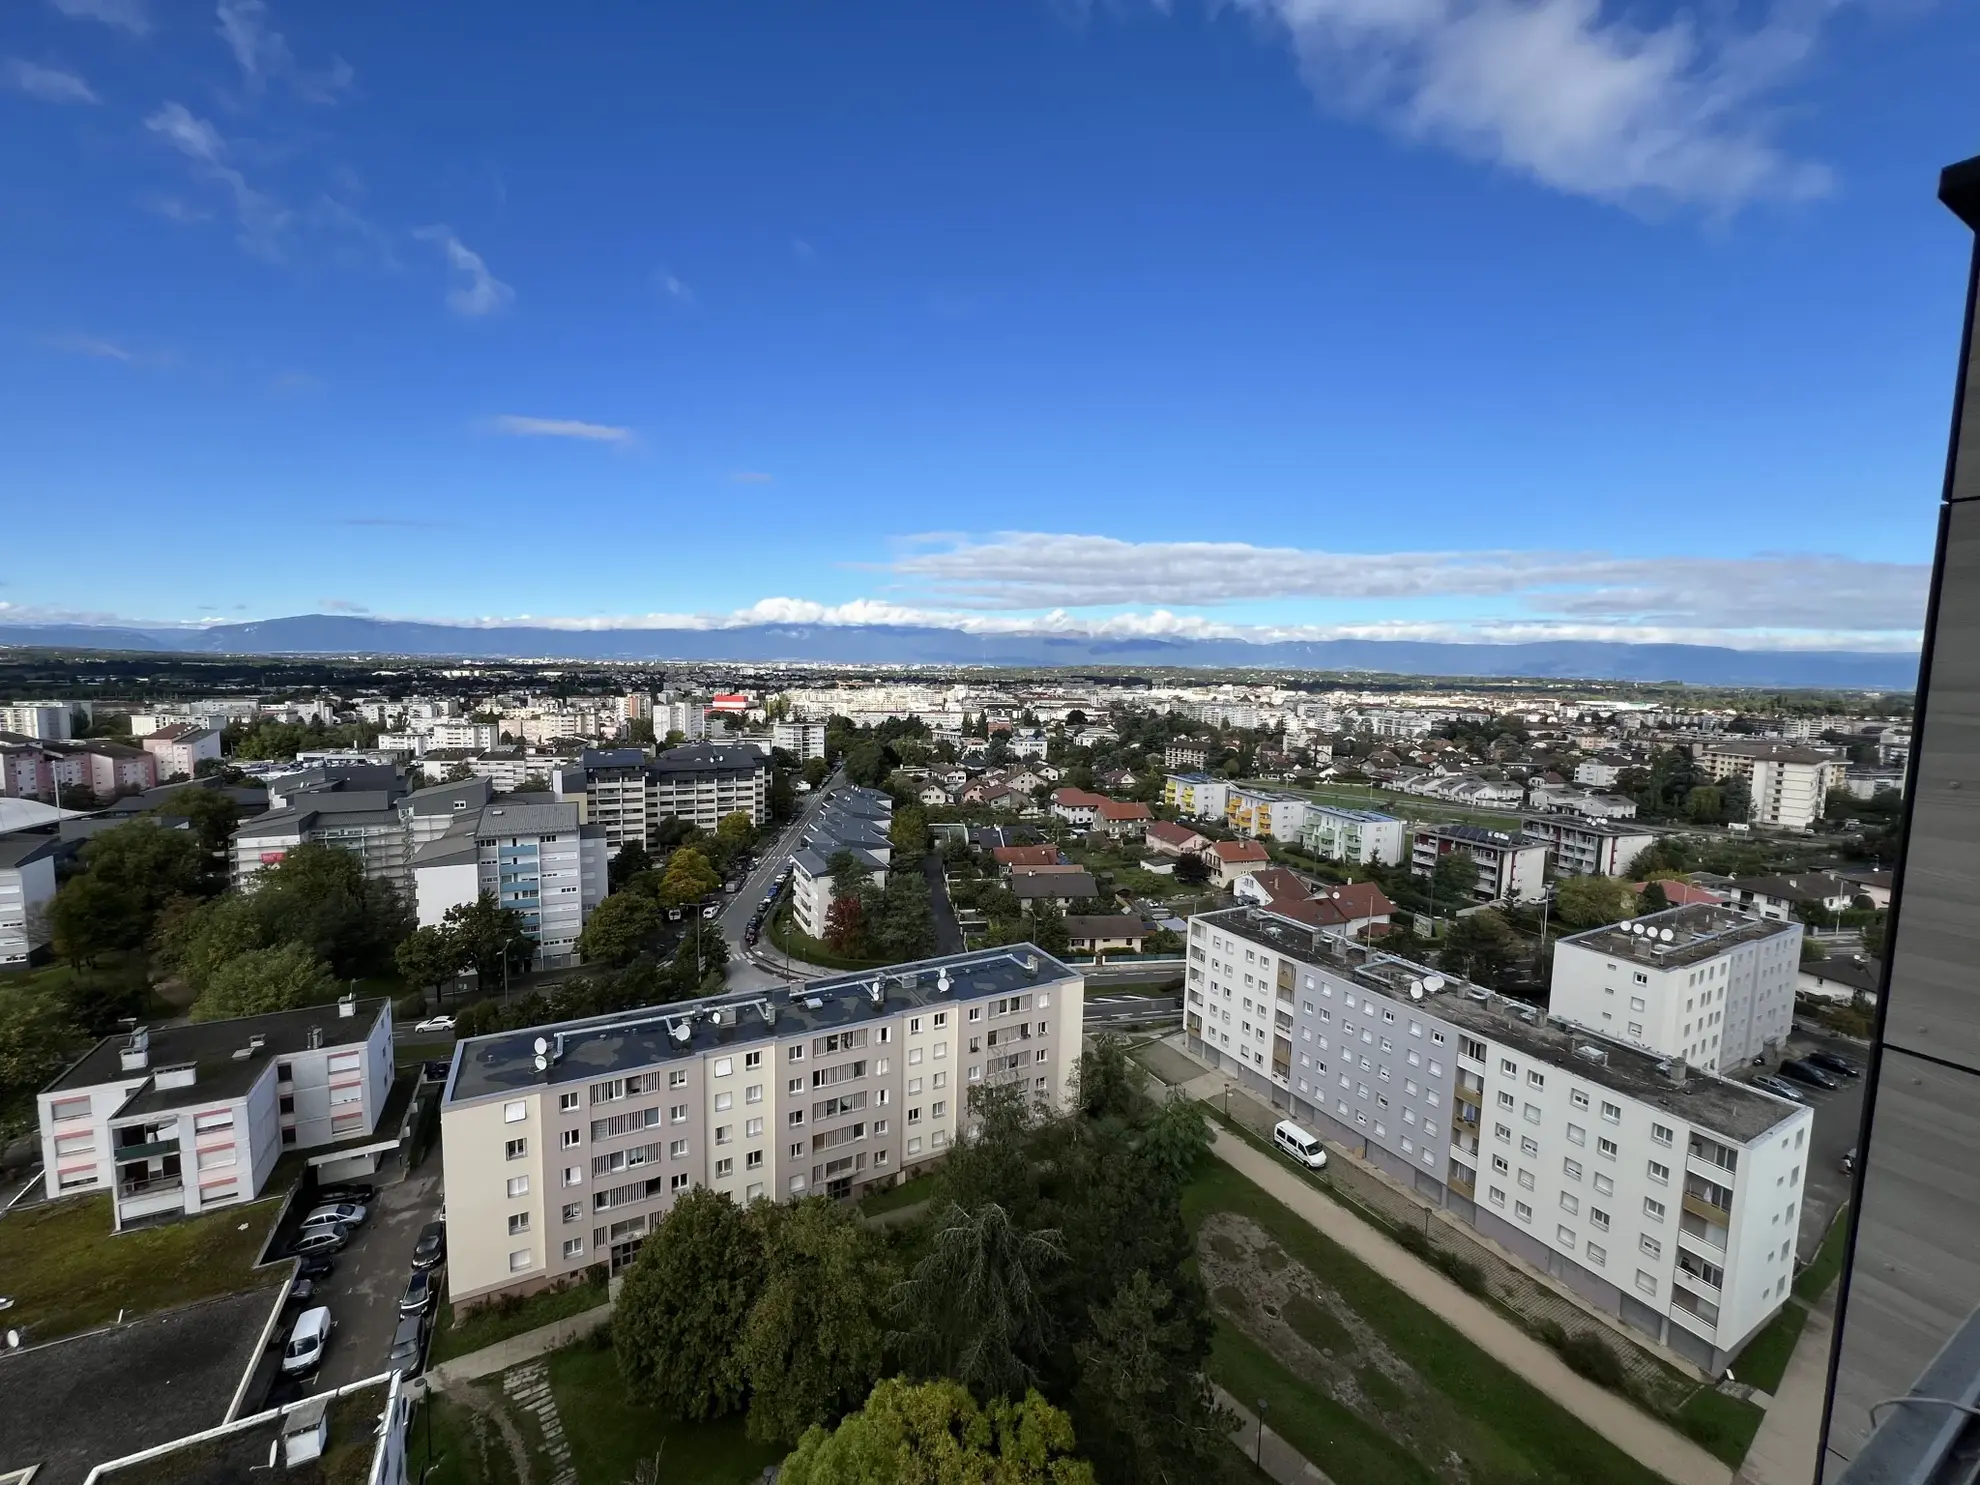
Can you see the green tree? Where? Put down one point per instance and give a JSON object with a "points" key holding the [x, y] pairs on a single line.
{"points": [[620, 929], [848, 872], [816, 771], [429, 956], [631, 862], [1146, 1412], [678, 1321], [319, 895], [868, 764], [908, 832], [262, 980], [1047, 927], [34, 1041], [1705, 805], [1192, 871], [1454, 879], [490, 935], [460, 773], [1480, 947], [935, 1434], [736, 828], [688, 878], [1654, 898], [212, 813], [812, 1343], [1591, 901], [90, 916], [197, 939], [973, 1309]]}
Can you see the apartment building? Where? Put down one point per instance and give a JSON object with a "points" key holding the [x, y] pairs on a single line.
{"points": [[630, 792], [565, 1144], [44, 721], [689, 718], [1196, 795], [361, 809], [1586, 848], [27, 885], [1662, 1195], [1185, 757], [181, 748], [182, 1119], [1789, 785], [1710, 984], [475, 736], [540, 860], [1359, 837], [1265, 814], [851, 819], [1510, 868], [802, 740]]}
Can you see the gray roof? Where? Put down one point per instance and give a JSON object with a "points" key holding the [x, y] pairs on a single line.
{"points": [[1728, 1108], [1581, 825], [707, 757], [1857, 972], [1699, 931], [453, 848], [1105, 925], [605, 1046], [439, 799], [213, 1043], [527, 819], [1053, 884], [21, 847], [1807, 887], [1474, 835]]}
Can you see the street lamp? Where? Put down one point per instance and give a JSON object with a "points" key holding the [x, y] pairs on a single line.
{"points": [[1258, 1456]]}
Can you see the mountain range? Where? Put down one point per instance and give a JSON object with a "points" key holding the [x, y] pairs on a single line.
{"points": [[335, 634]]}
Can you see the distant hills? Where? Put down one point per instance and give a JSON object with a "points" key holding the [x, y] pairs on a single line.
{"points": [[333, 634]]}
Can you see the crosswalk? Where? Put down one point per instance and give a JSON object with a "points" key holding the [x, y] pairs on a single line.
{"points": [[528, 1387]]}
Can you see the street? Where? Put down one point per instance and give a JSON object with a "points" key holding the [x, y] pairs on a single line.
{"points": [[761, 971], [1837, 1115]]}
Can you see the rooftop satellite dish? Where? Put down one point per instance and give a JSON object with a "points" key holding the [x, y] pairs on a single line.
{"points": [[542, 1063], [542, 1046], [1434, 984], [1416, 990], [1665, 934]]}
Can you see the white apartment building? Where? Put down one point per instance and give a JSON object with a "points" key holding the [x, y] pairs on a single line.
{"points": [[689, 718], [1361, 837], [1265, 813], [27, 885], [44, 721], [537, 859], [1510, 868], [476, 736], [851, 819], [1196, 795], [187, 1118], [1185, 757], [802, 740], [1664, 1196], [1586, 848], [630, 792], [181, 748], [1789, 784], [1710, 984], [565, 1144]]}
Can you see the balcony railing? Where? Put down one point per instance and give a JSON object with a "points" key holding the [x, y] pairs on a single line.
{"points": [[151, 1186], [146, 1150]]}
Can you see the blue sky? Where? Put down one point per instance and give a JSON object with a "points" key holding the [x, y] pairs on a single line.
{"points": [[1436, 318]]}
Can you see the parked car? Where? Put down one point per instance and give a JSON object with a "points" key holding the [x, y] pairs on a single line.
{"points": [[1834, 1062], [432, 1245], [712, 910], [317, 1268], [435, 1023], [1778, 1088], [1807, 1072], [1849, 1161], [302, 1292], [308, 1339], [356, 1191], [319, 1240], [418, 1292], [408, 1341], [336, 1214]]}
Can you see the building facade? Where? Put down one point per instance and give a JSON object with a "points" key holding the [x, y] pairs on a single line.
{"points": [[565, 1157], [44, 721], [1195, 795], [537, 859], [1510, 868], [1663, 1196], [1362, 837], [802, 740], [1584, 847], [1265, 814], [27, 886], [181, 748], [1789, 785]]}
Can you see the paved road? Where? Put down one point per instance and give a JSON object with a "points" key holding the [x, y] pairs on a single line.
{"points": [[948, 936], [363, 1292], [1122, 1009], [765, 971]]}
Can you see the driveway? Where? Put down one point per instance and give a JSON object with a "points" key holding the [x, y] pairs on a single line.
{"points": [[948, 936], [1838, 1117]]}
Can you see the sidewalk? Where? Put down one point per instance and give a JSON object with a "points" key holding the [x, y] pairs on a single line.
{"points": [[1277, 1458], [517, 1349], [1783, 1451], [1674, 1457]]}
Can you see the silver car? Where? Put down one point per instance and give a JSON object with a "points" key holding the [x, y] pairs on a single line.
{"points": [[337, 1214]]}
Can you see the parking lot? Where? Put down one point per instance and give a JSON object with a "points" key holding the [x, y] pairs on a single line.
{"points": [[1837, 1116], [363, 1291]]}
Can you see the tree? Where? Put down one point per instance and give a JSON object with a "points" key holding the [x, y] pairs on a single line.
{"points": [[1454, 879], [935, 1434], [33, 1041], [263, 980], [848, 872], [1705, 805], [908, 832], [319, 895], [620, 929], [89, 916], [631, 862], [868, 764], [812, 1343], [429, 956], [196, 939], [1479, 946], [679, 1317], [1147, 1414], [1192, 870], [1048, 927], [1591, 901], [688, 878], [973, 1308], [845, 924], [816, 771], [736, 828], [460, 773], [212, 813], [1654, 898], [490, 935]]}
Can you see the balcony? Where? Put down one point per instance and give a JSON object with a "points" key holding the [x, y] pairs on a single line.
{"points": [[145, 1150], [150, 1186], [1473, 1098], [1711, 1233]]}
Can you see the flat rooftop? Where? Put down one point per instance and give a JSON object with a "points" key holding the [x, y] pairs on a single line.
{"points": [[210, 1045], [1679, 936], [1731, 1109], [606, 1046]]}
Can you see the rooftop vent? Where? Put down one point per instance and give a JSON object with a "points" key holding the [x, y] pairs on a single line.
{"points": [[1477, 992], [769, 1012], [814, 1003], [1592, 1053], [180, 1075], [313, 1038], [136, 1052], [347, 1005], [257, 1042]]}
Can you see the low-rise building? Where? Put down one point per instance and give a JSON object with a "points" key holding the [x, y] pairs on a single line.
{"points": [[1359, 837], [1664, 1196], [27, 886], [1584, 847], [1844, 978], [1196, 795], [853, 820], [1510, 868], [181, 1119], [567, 1156], [1230, 859], [181, 748], [1264, 814], [1358, 909], [1166, 838], [1782, 898], [1105, 933], [1061, 888], [1712, 985]]}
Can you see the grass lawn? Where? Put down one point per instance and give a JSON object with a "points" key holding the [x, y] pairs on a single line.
{"points": [[787, 936], [486, 1324], [610, 1433], [1536, 1438], [66, 1271], [411, 1054], [1724, 1425], [1765, 1358], [445, 1434], [1814, 1281], [906, 1194]]}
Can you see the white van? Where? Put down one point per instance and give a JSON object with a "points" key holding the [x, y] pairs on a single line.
{"points": [[1297, 1143], [307, 1341]]}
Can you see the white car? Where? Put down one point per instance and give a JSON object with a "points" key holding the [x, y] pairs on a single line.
{"points": [[339, 1214], [307, 1340], [435, 1023], [713, 910]]}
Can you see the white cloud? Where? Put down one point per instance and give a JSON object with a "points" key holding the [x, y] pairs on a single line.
{"points": [[263, 221], [1579, 95], [341, 606], [93, 345], [522, 427], [49, 84], [675, 289], [263, 55], [475, 290], [126, 15], [1032, 570]]}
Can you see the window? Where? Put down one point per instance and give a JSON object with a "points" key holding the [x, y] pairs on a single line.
{"points": [[1525, 1179], [1597, 1255], [573, 1211], [566, 1102], [725, 1134], [1506, 1100], [1535, 1079], [515, 1149], [725, 1167], [1611, 1113], [1578, 1099], [677, 1114], [1646, 1282], [1653, 1209], [1564, 1235], [678, 1183], [1522, 1211], [1606, 1148], [518, 1185], [752, 1061], [753, 1093], [724, 1066], [1570, 1203], [1528, 1145], [518, 1223], [1531, 1113], [574, 1247], [570, 1138], [1604, 1185], [1661, 1174], [795, 1052], [573, 1175], [753, 1129], [1502, 1133], [753, 1160], [724, 1102], [1496, 1196], [1661, 1133], [797, 1151], [515, 1113], [1577, 1135], [1509, 1067], [518, 1260], [795, 1085], [677, 1150], [1650, 1245], [677, 1078], [1571, 1169], [1599, 1218]]}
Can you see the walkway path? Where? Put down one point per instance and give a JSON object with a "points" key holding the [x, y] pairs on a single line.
{"points": [[1274, 1455], [948, 935], [517, 1349], [1649, 1442], [528, 1387], [1784, 1450]]}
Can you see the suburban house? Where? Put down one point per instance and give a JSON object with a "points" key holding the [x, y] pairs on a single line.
{"points": [[1084, 808], [1840, 978], [1165, 838], [1060, 888], [1875, 885], [181, 1119], [1682, 894], [1025, 858], [1230, 859], [934, 795], [1779, 897], [1101, 934], [1359, 909]]}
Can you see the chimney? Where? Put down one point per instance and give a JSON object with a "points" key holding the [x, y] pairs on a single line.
{"points": [[135, 1054]]}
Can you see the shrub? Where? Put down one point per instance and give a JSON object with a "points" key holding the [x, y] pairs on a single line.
{"points": [[1595, 1359], [1462, 1272], [1550, 1334], [1418, 1242]]}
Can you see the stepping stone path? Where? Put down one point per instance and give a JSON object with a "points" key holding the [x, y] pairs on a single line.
{"points": [[528, 1387]]}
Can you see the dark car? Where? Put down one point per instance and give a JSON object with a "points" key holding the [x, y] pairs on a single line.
{"points": [[1806, 1072], [408, 1341], [432, 1245], [1834, 1062], [316, 1267], [357, 1194], [418, 1294], [302, 1291]]}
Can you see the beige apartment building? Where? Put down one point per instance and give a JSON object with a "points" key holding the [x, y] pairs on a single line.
{"points": [[565, 1143], [1790, 785]]}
